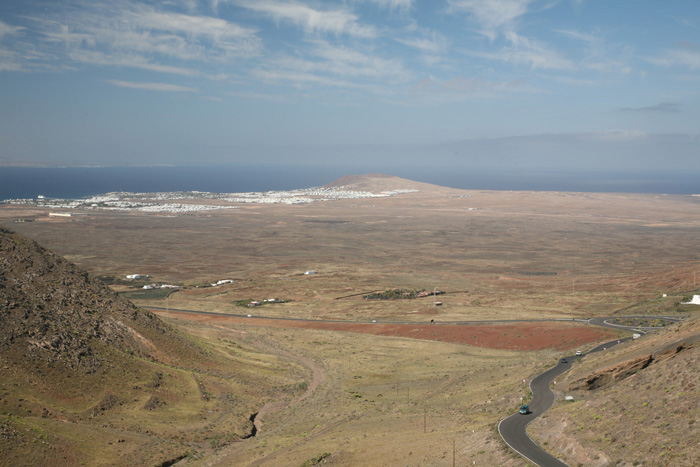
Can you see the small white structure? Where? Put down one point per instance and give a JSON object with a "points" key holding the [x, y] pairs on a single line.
{"points": [[568, 398], [694, 301], [222, 282], [147, 287], [59, 214], [134, 276], [636, 336], [309, 272]]}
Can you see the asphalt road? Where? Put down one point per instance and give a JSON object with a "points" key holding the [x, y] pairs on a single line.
{"points": [[512, 429]]}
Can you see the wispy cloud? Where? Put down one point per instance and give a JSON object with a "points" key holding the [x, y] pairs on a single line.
{"points": [[581, 36], [303, 78], [164, 87], [403, 5], [257, 96], [493, 16], [139, 36], [686, 54], [432, 43], [599, 55], [432, 90], [129, 60], [498, 18], [345, 61], [528, 52], [222, 34], [8, 29], [662, 107], [18, 57], [334, 21], [326, 64]]}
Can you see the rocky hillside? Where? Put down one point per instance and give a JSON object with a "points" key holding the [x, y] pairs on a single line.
{"points": [[87, 378], [50, 310], [633, 405]]}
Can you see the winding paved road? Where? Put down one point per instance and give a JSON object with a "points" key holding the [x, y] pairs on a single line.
{"points": [[512, 429]]}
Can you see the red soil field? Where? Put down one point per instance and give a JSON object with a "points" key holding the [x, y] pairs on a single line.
{"points": [[520, 336]]}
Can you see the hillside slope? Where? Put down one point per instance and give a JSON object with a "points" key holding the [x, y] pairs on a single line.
{"points": [[54, 312], [634, 405], [88, 378]]}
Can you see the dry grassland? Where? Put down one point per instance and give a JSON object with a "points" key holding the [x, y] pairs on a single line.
{"points": [[364, 398]]}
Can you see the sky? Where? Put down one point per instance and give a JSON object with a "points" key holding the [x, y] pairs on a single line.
{"points": [[531, 85]]}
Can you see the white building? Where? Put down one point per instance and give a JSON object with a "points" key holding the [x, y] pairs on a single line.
{"points": [[694, 301]]}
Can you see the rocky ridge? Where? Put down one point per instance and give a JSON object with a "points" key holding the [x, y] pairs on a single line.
{"points": [[53, 311]]}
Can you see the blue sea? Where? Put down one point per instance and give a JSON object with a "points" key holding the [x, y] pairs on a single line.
{"points": [[77, 182]]}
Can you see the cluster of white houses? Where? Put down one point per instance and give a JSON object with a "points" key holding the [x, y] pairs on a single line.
{"points": [[163, 201], [150, 286], [160, 286]]}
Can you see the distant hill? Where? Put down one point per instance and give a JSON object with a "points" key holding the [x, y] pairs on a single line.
{"points": [[375, 182]]}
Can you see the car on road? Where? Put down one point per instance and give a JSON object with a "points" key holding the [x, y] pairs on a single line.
{"points": [[563, 360], [578, 353], [524, 409]]}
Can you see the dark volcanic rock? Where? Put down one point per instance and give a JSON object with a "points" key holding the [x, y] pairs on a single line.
{"points": [[52, 310]]}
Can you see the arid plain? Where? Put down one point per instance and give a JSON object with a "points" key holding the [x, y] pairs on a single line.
{"points": [[398, 391]]}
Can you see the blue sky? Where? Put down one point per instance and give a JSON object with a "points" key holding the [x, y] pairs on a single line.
{"points": [[491, 84]]}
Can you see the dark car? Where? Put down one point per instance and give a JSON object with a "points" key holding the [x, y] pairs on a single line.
{"points": [[524, 409], [563, 360]]}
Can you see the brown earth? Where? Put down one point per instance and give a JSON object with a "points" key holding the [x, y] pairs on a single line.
{"points": [[521, 336], [363, 392]]}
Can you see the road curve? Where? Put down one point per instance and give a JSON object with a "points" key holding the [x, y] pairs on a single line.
{"points": [[513, 429]]}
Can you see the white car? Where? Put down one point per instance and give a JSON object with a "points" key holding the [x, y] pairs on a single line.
{"points": [[578, 353]]}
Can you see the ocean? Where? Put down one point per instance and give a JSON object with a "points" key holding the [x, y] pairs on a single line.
{"points": [[78, 182]]}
